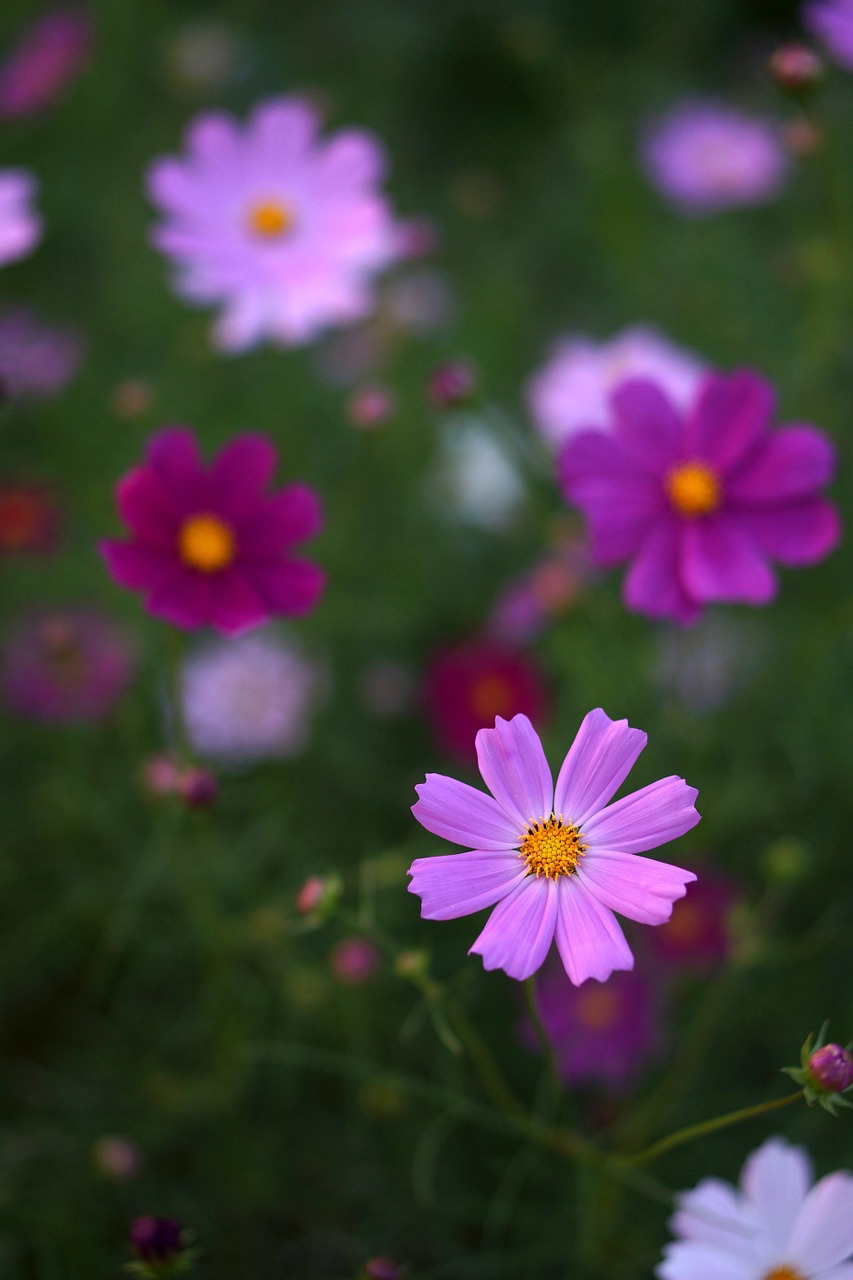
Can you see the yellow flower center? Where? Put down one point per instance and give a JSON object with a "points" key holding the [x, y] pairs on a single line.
{"points": [[491, 696], [784, 1273], [552, 848], [270, 219], [693, 489], [206, 543], [597, 1006]]}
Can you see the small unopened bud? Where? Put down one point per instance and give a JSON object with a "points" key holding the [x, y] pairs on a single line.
{"points": [[319, 896], [117, 1158], [198, 787], [796, 69], [451, 385], [157, 1241], [381, 1269], [354, 960], [831, 1069], [371, 406], [160, 776]]}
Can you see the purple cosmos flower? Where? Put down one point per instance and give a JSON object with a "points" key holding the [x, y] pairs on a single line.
{"points": [[574, 386], [705, 156], [773, 1226], [36, 362], [73, 664], [286, 232], [209, 545], [20, 228], [557, 861], [701, 504], [831, 22], [50, 54]]}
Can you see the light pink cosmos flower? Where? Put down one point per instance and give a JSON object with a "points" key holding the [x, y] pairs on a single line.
{"points": [[282, 230], [20, 228], [774, 1226], [558, 861], [704, 156], [574, 386], [831, 22]]}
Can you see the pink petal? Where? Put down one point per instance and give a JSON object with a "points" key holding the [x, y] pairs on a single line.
{"points": [[799, 534], [213, 137], [653, 584], [596, 456], [823, 1232], [174, 457], [714, 1214], [520, 930], [514, 768], [719, 561], [589, 939], [731, 415], [457, 884], [240, 472], [282, 129], [704, 1262], [291, 588], [457, 812], [351, 159], [792, 463], [645, 819], [235, 605], [776, 1178], [292, 515], [137, 567], [647, 424], [618, 498], [598, 762], [183, 599], [146, 507], [638, 888]]}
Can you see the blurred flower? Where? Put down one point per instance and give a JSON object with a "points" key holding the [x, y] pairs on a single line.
{"points": [[558, 863], [36, 362], [20, 227], [773, 1226], [474, 479], [319, 895], [700, 505], [467, 685], [704, 156], [117, 1158], [29, 519], [796, 69], [197, 787], [354, 960], [381, 1269], [132, 397], [802, 136], [602, 1032], [419, 301], [451, 384], [416, 237], [209, 546], [387, 687], [572, 390], [528, 603], [206, 55], [157, 1240], [371, 406], [696, 936], [70, 665], [250, 698], [705, 665], [51, 52], [160, 776], [284, 231], [831, 22]]}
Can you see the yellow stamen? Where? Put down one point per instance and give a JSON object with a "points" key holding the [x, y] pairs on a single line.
{"points": [[784, 1273], [693, 489], [206, 543], [270, 219], [552, 848]]}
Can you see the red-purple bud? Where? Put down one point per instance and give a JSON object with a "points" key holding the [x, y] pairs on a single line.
{"points": [[831, 1069], [157, 1240], [198, 787], [796, 69], [382, 1269], [371, 406], [451, 385]]}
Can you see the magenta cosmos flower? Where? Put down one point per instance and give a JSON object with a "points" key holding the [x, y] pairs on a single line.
{"points": [[774, 1226], [20, 228], [831, 22], [704, 156], [700, 505], [558, 861], [209, 545], [282, 230], [50, 54]]}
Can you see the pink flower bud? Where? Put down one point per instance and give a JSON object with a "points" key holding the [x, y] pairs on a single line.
{"points": [[310, 895], [354, 961], [796, 69], [198, 787], [371, 406], [451, 385], [831, 1069], [382, 1269]]}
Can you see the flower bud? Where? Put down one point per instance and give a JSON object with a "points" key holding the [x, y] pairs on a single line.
{"points": [[157, 1241], [354, 961], [116, 1158], [831, 1069], [198, 788], [371, 406], [411, 964], [381, 1269], [451, 385], [796, 69], [319, 896]]}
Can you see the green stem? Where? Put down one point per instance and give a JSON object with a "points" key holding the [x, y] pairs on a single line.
{"points": [[542, 1035], [176, 642], [692, 1131]]}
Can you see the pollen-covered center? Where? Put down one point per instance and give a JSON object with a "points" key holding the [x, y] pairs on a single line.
{"points": [[270, 219], [206, 543], [784, 1273], [693, 489], [552, 847]]}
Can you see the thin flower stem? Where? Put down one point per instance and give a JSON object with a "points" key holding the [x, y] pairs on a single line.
{"points": [[542, 1035], [177, 640], [692, 1131]]}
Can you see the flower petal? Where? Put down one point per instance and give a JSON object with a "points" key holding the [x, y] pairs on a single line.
{"points": [[713, 1213], [457, 884], [598, 762], [776, 1179], [639, 888], [799, 534], [653, 583], [792, 463], [174, 457], [589, 939], [690, 1261], [731, 414], [647, 424], [146, 507], [515, 770], [183, 599], [719, 561], [235, 605], [645, 819], [520, 930], [137, 567], [460, 813], [292, 515], [291, 588], [823, 1232], [240, 472]]}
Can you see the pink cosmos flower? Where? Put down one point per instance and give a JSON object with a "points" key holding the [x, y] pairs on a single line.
{"points": [[773, 1226], [704, 156], [50, 54], [701, 504], [36, 362], [831, 22], [574, 386], [558, 861], [209, 545], [73, 664], [20, 228], [30, 519], [697, 934], [282, 230]]}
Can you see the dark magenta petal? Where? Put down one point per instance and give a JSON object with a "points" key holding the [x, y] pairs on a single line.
{"points": [[792, 463], [174, 457], [653, 584], [290, 516], [799, 534], [240, 472], [291, 588], [731, 415], [591, 455], [137, 567], [235, 604], [720, 561], [146, 507], [647, 424], [600, 476], [183, 599]]}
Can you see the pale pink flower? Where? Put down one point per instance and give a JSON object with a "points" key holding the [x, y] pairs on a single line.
{"points": [[20, 227]]}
